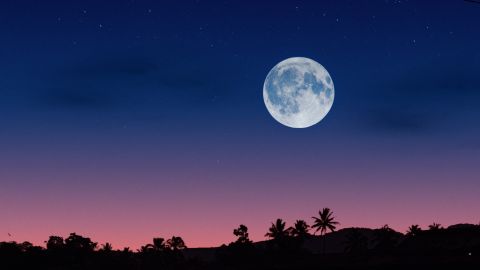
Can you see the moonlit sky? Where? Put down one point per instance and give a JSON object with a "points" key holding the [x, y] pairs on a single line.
{"points": [[126, 120]]}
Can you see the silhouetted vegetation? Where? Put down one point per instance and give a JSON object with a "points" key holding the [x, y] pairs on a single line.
{"points": [[414, 230], [300, 229], [324, 222], [454, 247]]}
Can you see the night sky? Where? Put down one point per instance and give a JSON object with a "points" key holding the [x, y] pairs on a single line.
{"points": [[126, 120]]}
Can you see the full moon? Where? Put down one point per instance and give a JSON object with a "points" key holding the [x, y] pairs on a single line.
{"points": [[298, 92]]}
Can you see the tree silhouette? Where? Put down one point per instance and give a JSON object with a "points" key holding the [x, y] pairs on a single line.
{"points": [[55, 243], [435, 227], [455, 247], [324, 222], [300, 229], [413, 230], [176, 243], [159, 244], [238, 253], [26, 246], [78, 242], [277, 231], [107, 247], [146, 249], [242, 233], [385, 238]]}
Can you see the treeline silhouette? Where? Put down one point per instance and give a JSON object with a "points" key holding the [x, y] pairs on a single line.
{"points": [[294, 247]]}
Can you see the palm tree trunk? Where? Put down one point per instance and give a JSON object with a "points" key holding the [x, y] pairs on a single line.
{"points": [[323, 240]]}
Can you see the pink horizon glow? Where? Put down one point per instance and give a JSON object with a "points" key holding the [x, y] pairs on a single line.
{"points": [[204, 204]]}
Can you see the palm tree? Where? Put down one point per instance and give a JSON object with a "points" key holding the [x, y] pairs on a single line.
{"points": [[277, 231], [413, 230], [299, 229], [176, 243], [159, 244], [324, 222]]}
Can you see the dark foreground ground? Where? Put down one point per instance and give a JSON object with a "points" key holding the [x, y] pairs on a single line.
{"points": [[117, 260]]}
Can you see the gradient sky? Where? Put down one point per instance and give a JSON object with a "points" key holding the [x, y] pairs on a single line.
{"points": [[127, 120]]}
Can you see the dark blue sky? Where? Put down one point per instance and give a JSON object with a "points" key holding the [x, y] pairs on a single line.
{"points": [[139, 98]]}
